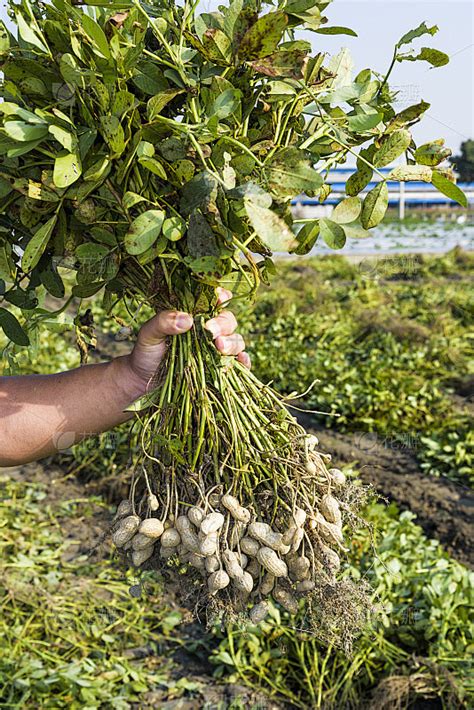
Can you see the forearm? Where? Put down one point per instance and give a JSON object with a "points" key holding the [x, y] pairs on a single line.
{"points": [[41, 414]]}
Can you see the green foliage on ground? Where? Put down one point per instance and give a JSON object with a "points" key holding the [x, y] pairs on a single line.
{"points": [[68, 622], [71, 627], [387, 341], [422, 622]]}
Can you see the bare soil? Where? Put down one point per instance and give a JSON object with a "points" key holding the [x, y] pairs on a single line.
{"points": [[445, 510]]}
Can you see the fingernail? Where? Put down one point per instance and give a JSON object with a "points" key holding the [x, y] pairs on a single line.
{"points": [[184, 321], [213, 327]]}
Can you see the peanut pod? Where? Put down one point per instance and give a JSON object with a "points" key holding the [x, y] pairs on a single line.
{"points": [[286, 599], [250, 546], [151, 527], [212, 523], [188, 536], [237, 511], [170, 538], [125, 530], [259, 612], [141, 556], [196, 515], [244, 583], [218, 580], [269, 559]]}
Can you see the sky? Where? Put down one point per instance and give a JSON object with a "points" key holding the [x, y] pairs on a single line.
{"points": [[380, 24]]}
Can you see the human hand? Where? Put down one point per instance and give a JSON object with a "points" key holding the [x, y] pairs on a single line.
{"points": [[151, 345]]}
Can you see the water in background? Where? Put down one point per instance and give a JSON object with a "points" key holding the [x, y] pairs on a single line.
{"points": [[407, 238]]}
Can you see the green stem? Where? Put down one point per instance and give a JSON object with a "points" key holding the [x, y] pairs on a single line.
{"points": [[243, 147]]}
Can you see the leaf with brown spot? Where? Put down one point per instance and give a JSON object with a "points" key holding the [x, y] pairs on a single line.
{"points": [[288, 64], [263, 37]]}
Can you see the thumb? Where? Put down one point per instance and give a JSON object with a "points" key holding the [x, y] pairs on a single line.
{"points": [[166, 323], [151, 343]]}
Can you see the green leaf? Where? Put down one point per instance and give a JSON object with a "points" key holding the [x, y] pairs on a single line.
{"points": [[253, 192], [289, 173], [405, 173], [374, 206], [87, 290], [341, 66], [347, 210], [271, 229], [23, 148], [448, 188], [130, 199], [364, 121], [306, 237], [336, 31], [433, 56], [359, 180], [197, 192], [232, 14], [145, 150], [174, 228], [202, 241], [289, 64], [144, 231], [332, 233], [28, 34], [226, 103], [263, 36], [393, 146], [421, 30], [51, 280], [21, 131], [26, 300], [306, 12], [148, 79], [89, 253], [67, 169], [10, 109], [432, 153], [4, 39], [37, 244], [113, 134], [216, 46], [65, 138], [96, 35], [154, 166], [157, 103], [12, 328], [98, 170], [412, 113], [354, 230]]}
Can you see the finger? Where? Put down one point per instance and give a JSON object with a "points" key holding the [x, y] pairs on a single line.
{"points": [[166, 323], [244, 358], [223, 295], [230, 344], [223, 324]]}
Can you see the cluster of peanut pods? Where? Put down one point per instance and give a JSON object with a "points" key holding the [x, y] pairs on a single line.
{"points": [[234, 552]]}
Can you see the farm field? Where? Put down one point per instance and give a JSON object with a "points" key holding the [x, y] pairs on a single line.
{"points": [[388, 343], [253, 221]]}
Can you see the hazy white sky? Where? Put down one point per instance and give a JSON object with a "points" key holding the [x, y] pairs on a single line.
{"points": [[379, 24]]}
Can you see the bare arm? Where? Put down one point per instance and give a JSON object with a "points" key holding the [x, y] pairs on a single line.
{"points": [[41, 414]]}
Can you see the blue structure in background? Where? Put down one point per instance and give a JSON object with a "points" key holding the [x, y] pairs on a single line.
{"points": [[402, 194]]}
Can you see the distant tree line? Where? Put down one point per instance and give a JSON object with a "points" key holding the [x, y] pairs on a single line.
{"points": [[464, 163]]}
